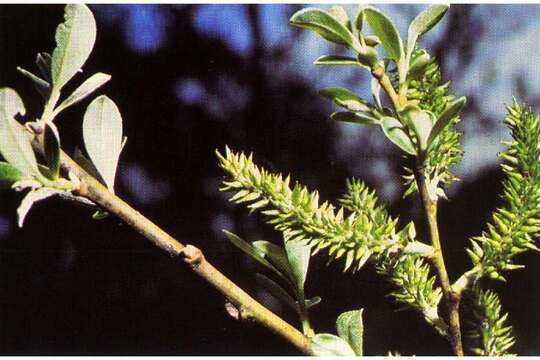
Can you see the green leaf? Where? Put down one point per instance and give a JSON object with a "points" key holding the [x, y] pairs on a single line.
{"points": [[31, 198], [376, 92], [395, 132], [277, 291], [298, 253], [345, 98], [324, 24], [420, 121], [41, 85], [451, 111], [9, 174], [357, 118], [422, 23], [277, 256], [313, 301], [359, 18], [15, 144], [385, 30], [418, 64], [43, 62], [350, 328], [330, 345], [51, 141], [336, 60], [251, 251], [75, 39], [339, 13], [102, 133], [88, 87]]}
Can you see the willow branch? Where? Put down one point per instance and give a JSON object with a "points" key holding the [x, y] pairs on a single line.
{"points": [[93, 190]]}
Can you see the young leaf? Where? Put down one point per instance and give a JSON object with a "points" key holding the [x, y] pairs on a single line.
{"points": [[43, 62], [359, 18], [15, 144], [452, 110], [357, 118], [324, 24], [345, 98], [351, 329], [51, 141], [41, 85], [88, 87], [277, 256], [298, 254], [313, 301], [102, 133], [9, 174], [75, 39], [339, 13], [336, 60], [394, 131], [385, 30], [31, 198], [251, 251], [420, 121], [330, 345], [277, 291], [422, 23]]}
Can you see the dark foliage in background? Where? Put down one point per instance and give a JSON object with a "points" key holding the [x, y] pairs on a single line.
{"points": [[71, 285]]}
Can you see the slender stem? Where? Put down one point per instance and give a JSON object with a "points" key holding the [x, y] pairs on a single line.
{"points": [[451, 299], [93, 190], [379, 74]]}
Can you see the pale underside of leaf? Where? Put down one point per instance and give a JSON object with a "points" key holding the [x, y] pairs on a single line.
{"points": [[31, 198], [87, 88]]}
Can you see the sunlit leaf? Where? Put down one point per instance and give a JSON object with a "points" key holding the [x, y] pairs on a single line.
{"points": [[102, 133], [357, 118], [88, 87], [421, 122], [395, 132], [336, 60], [324, 24], [9, 174], [385, 30], [75, 39], [30, 199], [422, 23], [330, 345], [345, 98], [51, 141], [298, 254], [451, 111], [350, 328]]}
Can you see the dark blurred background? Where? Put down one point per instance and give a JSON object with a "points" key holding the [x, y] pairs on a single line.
{"points": [[189, 79]]}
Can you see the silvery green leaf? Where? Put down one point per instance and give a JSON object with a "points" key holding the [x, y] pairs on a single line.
{"points": [[395, 132], [420, 121], [313, 301], [102, 133], [298, 253], [324, 24], [330, 345], [251, 251], [87, 165], [359, 18], [339, 13], [277, 291], [357, 118], [385, 30], [9, 174], [452, 110], [31, 198], [88, 87], [350, 328], [336, 60], [345, 98], [43, 62], [15, 144], [41, 85], [277, 256], [75, 39], [376, 92], [51, 141], [422, 23]]}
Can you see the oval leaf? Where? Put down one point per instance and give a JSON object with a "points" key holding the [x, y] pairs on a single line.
{"points": [[350, 328], [330, 345], [88, 87], [345, 98], [336, 60], [421, 122], [51, 141], [394, 132], [357, 118], [15, 144], [298, 254], [102, 133], [277, 256], [9, 174], [452, 110], [75, 39], [385, 30], [339, 13], [324, 24], [423, 22]]}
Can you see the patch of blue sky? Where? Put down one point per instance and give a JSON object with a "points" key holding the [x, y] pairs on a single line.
{"points": [[227, 22], [145, 27]]}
